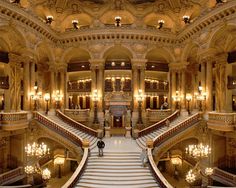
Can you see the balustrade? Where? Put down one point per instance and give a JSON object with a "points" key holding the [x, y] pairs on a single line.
{"points": [[78, 172], [226, 176], [74, 86], [221, 121], [164, 137], [80, 115], [13, 121], [75, 124], [58, 129], [158, 125], [8, 176], [157, 115]]}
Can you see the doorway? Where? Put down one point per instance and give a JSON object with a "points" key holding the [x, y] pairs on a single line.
{"points": [[117, 121]]}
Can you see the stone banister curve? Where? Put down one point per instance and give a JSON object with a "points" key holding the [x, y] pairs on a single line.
{"points": [[159, 124], [78, 172], [76, 124], [224, 175], [167, 136]]}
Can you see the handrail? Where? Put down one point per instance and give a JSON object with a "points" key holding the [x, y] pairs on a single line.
{"points": [[224, 175], [10, 174], [16, 186], [162, 138], [61, 130], [76, 175], [76, 124], [158, 175], [175, 130], [158, 125]]}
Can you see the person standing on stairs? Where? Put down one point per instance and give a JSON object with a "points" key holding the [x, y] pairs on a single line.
{"points": [[100, 145], [144, 157]]}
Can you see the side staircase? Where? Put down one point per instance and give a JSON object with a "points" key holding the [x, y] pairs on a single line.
{"points": [[92, 139], [141, 141]]}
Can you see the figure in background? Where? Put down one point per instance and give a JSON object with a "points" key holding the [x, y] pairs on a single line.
{"points": [[107, 118], [144, 157]]}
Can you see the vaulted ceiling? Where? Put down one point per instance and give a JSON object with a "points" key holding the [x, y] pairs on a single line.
{"points": [[138, 12]]}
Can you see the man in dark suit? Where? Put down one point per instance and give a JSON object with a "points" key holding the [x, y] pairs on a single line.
{"points": [[100, 145]]}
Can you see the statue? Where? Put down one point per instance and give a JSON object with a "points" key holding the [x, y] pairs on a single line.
{"points": [[107, 118], [128, 118]]}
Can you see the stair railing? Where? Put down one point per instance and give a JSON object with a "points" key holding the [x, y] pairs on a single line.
{"points": [[78, 172], [76, 124], [58, 129], [159, 124], [7, 176], [160, 139]]}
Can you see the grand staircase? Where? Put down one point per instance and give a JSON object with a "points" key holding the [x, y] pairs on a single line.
{"points": [[120, 166], [141, 141], [83, 135]]}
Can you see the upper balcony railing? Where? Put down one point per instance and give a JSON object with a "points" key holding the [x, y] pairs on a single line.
{"points": [[221, 121], [74, 86], [13, 121]]}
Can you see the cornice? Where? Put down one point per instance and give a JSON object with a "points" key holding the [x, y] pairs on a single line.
{"points": [[125, 33], [205, 20]]}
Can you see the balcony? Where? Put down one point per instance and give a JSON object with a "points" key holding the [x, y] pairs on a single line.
{"points": [[75, 86], [13, 121], [221, 121]]}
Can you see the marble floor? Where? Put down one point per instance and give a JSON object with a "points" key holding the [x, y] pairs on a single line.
{"points": [[120, 144]]}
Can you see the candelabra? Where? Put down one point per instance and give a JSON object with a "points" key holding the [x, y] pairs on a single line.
{"points": [[140, 98], [188, 98], [177, 99], [47, 98], [58, 98], [200, 96], [59, 161], [95, 100], [36, 96]]}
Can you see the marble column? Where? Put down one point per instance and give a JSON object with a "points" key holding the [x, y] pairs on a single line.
{"points": [[26, 79], [183, 89], [62, 86], [203, 76], [209, 85], [32, 81], [173, 87], [7, 100], [52, 86], [135, 87], [100, 85], [15, 81]]}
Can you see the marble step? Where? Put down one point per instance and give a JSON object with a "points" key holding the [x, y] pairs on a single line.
{"points": [[124, 174], [117, 178], [117, 171], [87, 185], [126, 183]]}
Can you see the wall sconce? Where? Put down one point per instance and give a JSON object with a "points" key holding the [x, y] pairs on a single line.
{"points": [[160, 23], [186, 19], [95, 99], [75, 24], [177, 99], [117, 21], [49, 19], [200, 97]]}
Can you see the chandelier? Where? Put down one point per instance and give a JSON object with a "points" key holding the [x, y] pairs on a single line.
{"points": [[209, 171], [29, 169], [37, 150], [190, 176], [46, 174], [199, 150]]}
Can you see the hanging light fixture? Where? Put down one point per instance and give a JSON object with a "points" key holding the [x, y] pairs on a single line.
{"points": [[209, 171], [75, 24], [199, 150], [190, 176], [46, 174], [160, 23], [49, 19], [117, 21], [186, 19], [37, 150]]}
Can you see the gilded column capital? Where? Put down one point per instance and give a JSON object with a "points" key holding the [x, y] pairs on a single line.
{"points": [[138, 63], [98, 63], [178, 67], [62, 67]]}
